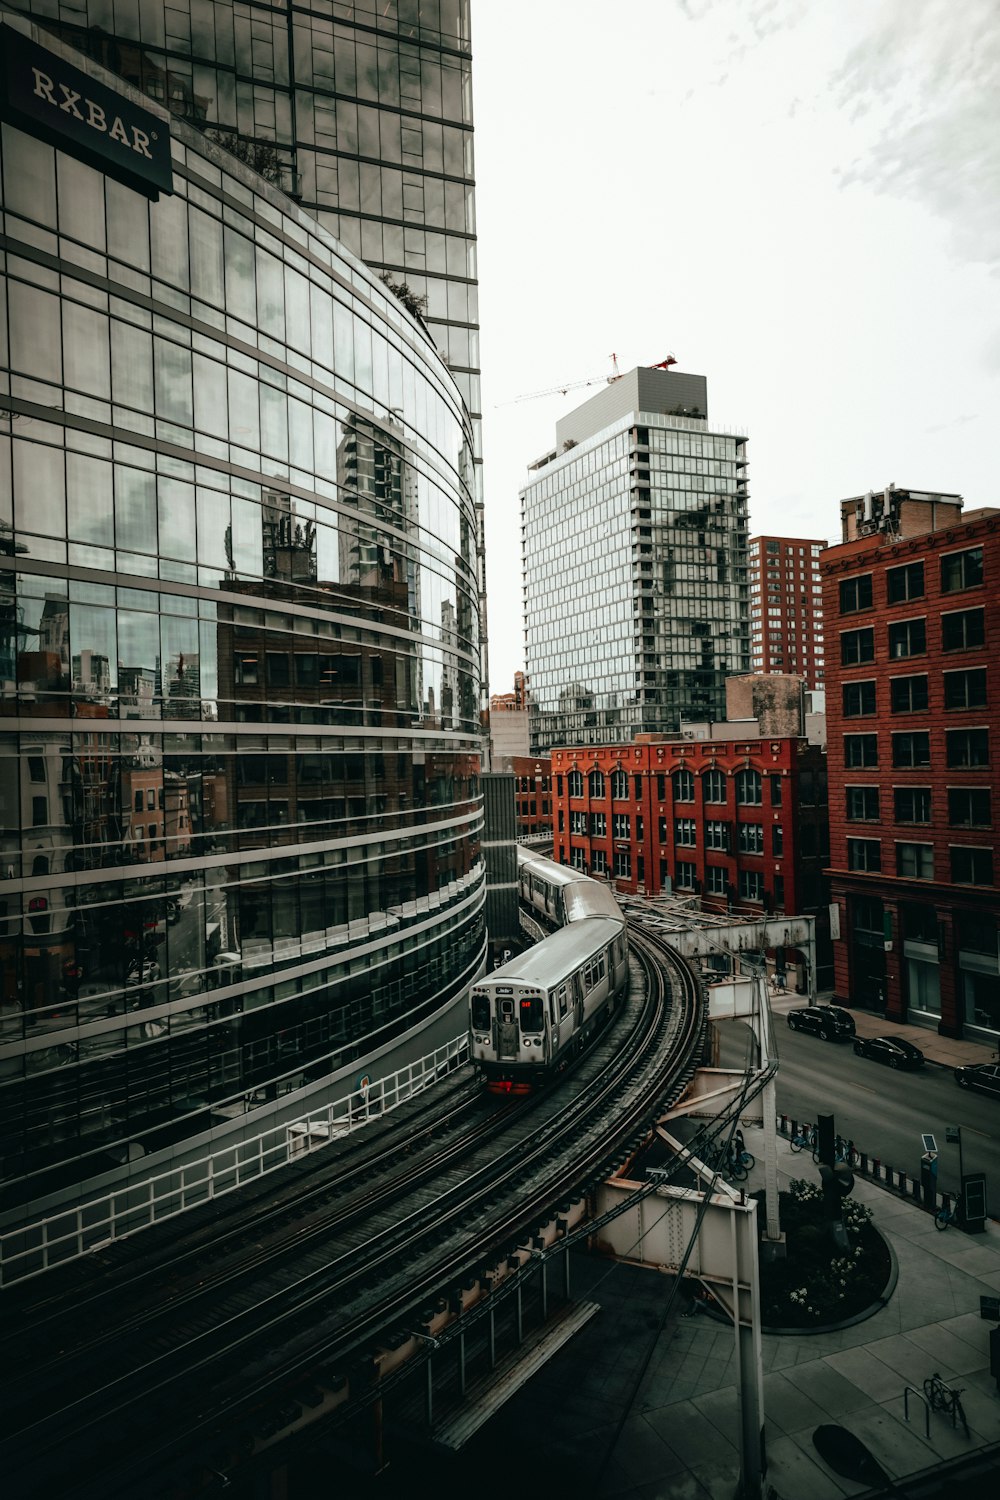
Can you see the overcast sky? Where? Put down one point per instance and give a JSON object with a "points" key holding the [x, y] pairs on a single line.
{"points": [[799, 199]]}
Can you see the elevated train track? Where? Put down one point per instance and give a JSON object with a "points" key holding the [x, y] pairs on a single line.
{"points": [[212, 1366]]}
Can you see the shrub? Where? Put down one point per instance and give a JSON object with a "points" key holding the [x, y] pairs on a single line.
{"points": [[817, 1282]]}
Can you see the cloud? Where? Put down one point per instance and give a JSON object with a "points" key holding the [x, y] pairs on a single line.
{"points": [[924, 84], [962, 421]]}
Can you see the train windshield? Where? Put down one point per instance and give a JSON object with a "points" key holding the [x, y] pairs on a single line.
{"points": [[481, 1012], [532, 1013]]}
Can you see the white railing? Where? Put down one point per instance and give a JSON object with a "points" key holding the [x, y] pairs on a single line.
{"points": [[69, 1233]]}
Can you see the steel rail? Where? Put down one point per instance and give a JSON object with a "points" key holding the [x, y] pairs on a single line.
{"points": [[378, 1308], [201, 1258]]}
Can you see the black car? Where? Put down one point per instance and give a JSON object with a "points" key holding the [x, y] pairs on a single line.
{"points": [[983, 1076], [823, 1020], [894, 1051]]}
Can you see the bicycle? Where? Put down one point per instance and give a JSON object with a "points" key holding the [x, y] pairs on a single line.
{"points": [[806, 1136], [843, 1151], [732, 1160], [737, 1164], [946, 1215], [941, 1397]]}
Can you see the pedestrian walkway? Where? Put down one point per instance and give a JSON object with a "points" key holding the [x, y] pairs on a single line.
{"points": [[946, 1051], [679, 1441]]}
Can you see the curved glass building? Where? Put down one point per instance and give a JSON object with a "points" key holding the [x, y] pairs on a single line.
{"points": [[240, 813]]}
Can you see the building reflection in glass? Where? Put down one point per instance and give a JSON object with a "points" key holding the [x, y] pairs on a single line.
{"points": [[239, 676]]}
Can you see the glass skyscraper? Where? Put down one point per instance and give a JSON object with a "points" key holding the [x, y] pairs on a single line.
{"points": [[634, 559], [361, 111], [240, 811]]}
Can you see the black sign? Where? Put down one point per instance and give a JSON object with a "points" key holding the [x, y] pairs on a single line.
{"points": [[974, 1199], [47, 96]]}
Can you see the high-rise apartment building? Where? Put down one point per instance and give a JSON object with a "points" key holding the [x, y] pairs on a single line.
{"points": [[912, 604], [240, 814], [634, 561], [786, 607]]}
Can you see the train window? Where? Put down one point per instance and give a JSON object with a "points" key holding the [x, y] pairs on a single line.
{"points": [[532, 1014], [563, 1002], [481, 1012]]}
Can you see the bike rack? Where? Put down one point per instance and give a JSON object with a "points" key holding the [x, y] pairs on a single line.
{"points": [[951, 1404], [911, 1390]]}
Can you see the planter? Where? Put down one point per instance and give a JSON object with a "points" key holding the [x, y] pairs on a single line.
{"points": [[816, 1287]]}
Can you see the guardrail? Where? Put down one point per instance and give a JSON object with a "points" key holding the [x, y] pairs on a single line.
{"points": [[67, 1234]]}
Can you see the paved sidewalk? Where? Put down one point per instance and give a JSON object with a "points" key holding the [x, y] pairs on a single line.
{"points": [[678, 1443]]}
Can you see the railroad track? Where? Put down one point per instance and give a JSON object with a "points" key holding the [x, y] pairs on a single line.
{"points": [[269, 1321]]}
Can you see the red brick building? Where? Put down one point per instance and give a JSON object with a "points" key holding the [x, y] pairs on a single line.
{"points": [[741, 823], [912, 605], [786, 607], [532, 794]]}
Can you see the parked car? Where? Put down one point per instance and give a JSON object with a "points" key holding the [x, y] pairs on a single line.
{"points": [[829, 1021], [894, 1051], [147, 973], [983, 1076]]}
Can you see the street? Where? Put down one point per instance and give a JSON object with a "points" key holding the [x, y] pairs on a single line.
{"points": [[882, 1111]]}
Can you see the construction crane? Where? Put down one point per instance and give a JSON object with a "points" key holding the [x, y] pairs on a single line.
{"points": [[576, 385]]}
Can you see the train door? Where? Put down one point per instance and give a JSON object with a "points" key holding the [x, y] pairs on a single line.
{"points": [[559, 1001], [508, 1039], [578, 1000]]}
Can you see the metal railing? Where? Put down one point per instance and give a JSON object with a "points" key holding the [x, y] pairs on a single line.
{"points": [[67, 1234]]}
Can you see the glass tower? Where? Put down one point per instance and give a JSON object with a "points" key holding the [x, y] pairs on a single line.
{"points": [[634, 560], [240, 811], [361, 111]]}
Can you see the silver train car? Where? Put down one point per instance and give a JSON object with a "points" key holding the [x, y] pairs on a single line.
{"points": [[528, 1018]]}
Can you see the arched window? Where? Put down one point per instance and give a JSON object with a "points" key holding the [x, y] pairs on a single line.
{"points": [[575, 783], [714, 785], [619, 786], [683, 782], [596, 784], [748, 793]]}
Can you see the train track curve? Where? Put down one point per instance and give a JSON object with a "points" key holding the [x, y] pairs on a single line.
{"points": [[236, 1343]]}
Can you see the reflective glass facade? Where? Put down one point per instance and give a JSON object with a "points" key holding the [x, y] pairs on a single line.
{"points": [[360, 109], [239, 675], [634, 544]]}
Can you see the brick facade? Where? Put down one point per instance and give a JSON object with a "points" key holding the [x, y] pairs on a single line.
{"points": [[786, 618], [741, 823], [913, 683], [532, 794]]}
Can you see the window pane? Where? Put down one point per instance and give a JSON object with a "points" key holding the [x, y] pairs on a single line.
{"points": [[89, 502], [39, 488]]}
